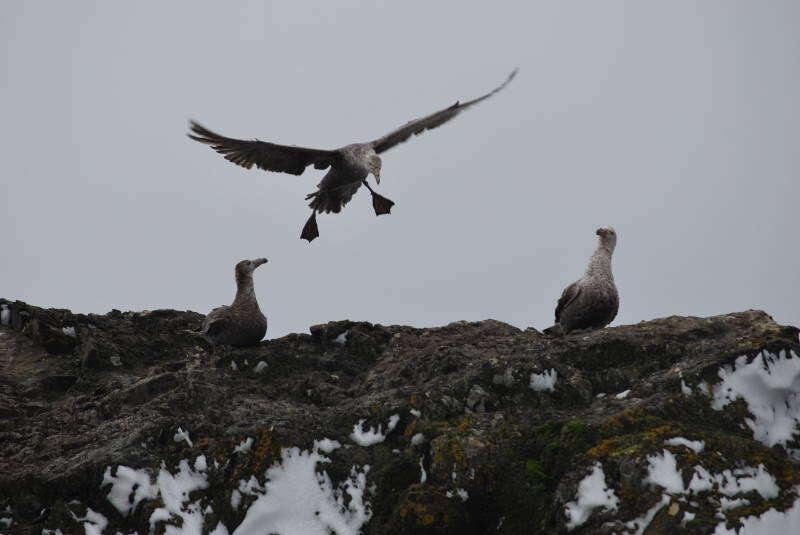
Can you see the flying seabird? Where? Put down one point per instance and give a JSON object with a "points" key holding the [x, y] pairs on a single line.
{"points": [[241, 323], [349, 165], [592, 301]]}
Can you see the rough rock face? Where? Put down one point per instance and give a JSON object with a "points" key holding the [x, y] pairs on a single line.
{"points": [[125, 423]]}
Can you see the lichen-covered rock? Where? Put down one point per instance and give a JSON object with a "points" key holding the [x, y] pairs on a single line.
{"points": [[126, 423]]}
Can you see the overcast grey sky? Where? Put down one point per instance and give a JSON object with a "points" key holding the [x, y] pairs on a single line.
{"points": [[674, 122]]}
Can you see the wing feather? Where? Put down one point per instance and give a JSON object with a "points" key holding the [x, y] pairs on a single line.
{"points": [[570, 293], [266, 156], [216, 326], [431, 121]]}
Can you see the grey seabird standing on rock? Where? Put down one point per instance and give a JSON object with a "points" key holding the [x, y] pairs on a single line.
{"points": [[349, 166], [241, 323], [592, 301]]}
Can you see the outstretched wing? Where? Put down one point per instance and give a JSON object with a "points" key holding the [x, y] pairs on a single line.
{"points": [[266, 156], [433, 120], [570, 293]]}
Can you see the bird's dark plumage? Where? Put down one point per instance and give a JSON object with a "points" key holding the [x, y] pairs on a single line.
{"points": [[241, 323], [592, 301], [429, 122], [266, 156], [568, 296], [349, 165]]}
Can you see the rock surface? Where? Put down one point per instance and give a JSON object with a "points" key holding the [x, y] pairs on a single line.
{"points": [[470, 428]]}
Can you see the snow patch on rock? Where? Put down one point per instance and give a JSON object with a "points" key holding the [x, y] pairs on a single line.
{"points": [[546, 381], [236, 499], [663, 471], [736, 481], [122, 494], [770, 385], [93, 522], [174, 490], [326, 445], [6, 517], [592, 493], [180, 434], [372, 436], [130, 486], [461, 493], [640, 524], [734, 484], [244, 446], [342, 338], [298, 500], [771, 522], [695, 445]]}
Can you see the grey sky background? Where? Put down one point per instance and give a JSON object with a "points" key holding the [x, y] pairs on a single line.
{"points": [[674, 122]]}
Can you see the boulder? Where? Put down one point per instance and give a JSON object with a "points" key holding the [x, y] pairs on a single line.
{"points": [[123, 422]]}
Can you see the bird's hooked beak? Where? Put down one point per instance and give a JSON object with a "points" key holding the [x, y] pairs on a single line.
{"points": [[259, 261], [377, 176], [601, 232]]}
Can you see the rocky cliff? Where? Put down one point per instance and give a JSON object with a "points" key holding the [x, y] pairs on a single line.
{"points": [[125, 423]]}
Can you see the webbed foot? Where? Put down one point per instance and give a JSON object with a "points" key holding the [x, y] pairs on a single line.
{"points": [[381, 204], [310, 229]]}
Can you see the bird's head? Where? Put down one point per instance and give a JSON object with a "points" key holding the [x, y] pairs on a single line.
{"points": [[608, 237], [245, 268], [375, 166]]}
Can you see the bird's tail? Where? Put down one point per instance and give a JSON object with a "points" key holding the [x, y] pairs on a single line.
{"points": [[326, 201], [320, 201]]}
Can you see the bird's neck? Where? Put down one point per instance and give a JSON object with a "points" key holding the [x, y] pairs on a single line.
{"points": [[245, 292], [600, 263]]}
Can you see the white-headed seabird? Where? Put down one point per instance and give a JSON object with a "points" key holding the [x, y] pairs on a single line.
{"points": [[242, 323], [592, 301], [349, 165]]}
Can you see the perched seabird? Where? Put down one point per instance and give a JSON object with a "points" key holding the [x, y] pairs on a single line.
{"points": [[241, 323], [349, 166], [592, 301]]}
